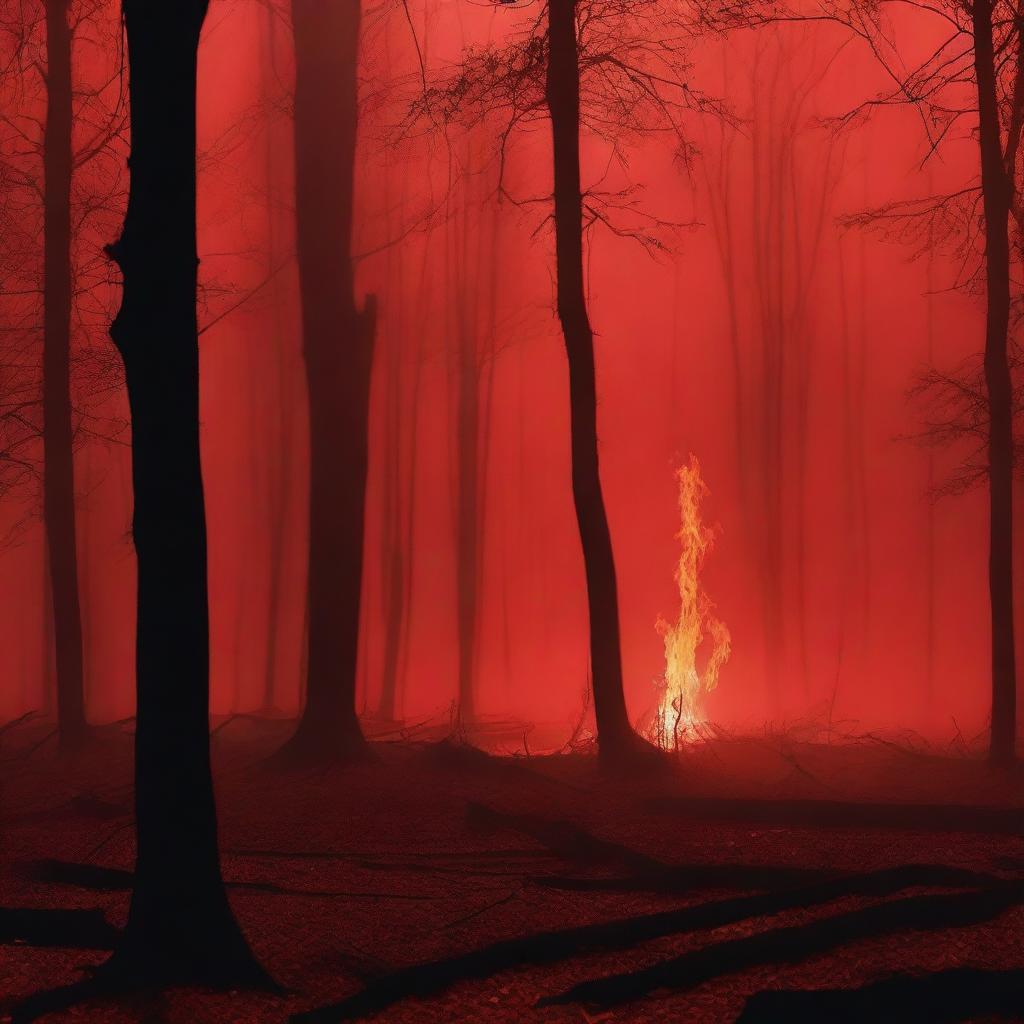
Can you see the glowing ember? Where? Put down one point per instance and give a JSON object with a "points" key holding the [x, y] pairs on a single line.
{"points": [[678, 717]]}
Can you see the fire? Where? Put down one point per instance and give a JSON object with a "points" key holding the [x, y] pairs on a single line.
{"points": [[679, 711]]}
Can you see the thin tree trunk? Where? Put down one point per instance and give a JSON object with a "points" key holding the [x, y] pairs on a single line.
{"points": [[46, 638], [338, 353], [930, 532], [392, 562], [996, 193], [392, 567], [279, 456], [394, 609], [861, 405], [467, 445], [392, 555], [58, 458], [409, 538], [769, 398], [488, 249], [615, 735], [180, 927]]}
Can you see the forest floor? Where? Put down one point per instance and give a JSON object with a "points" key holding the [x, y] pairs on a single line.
{"points": [[754, 871]]}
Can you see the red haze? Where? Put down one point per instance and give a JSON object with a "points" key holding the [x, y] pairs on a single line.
{"points": [[850, 596]]}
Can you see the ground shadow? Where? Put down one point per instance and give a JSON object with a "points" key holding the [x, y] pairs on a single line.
{"points": [[420, 980], [796, 943], [843, 814], [67, 929], [958, 994]]}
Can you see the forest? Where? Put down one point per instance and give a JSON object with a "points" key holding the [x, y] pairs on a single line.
{"points": [[510, 511]]}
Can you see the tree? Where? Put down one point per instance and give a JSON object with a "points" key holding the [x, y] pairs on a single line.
{"points": [[611, 67], [180, 927], [280, 393], [58, 454], [998, 186], [772, 330], [980, 45], [338, 352], [62, 176], [562, 93], [474, 257], [399, 486]]}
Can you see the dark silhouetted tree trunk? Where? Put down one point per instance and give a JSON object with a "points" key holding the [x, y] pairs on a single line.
{"points": [[997, 194], [616, 737], [58, 458], [180, 927], [338, 352]]}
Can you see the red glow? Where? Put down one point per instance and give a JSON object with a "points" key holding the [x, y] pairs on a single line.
{"points": [[880, 595]]}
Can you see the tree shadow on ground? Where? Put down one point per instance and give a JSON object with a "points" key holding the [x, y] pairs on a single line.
{"points": [[990, 896], [845, 814], [793, 944], [66, 929], [958, 994]]}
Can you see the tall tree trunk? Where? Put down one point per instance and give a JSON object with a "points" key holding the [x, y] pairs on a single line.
{"points": [[407, 541], [180, 927], [392, 555], [996, 194], [467, 446], [930, 547], [281, 427], [387, 709], [769, 397], [58, 459], [392, 563], [338, 352], [616, 737]]}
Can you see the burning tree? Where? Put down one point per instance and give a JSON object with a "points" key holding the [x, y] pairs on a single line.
{"points": [[607, 69]]}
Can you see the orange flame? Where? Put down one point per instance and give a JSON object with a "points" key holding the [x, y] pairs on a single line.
{"points": [[679, 712]]}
